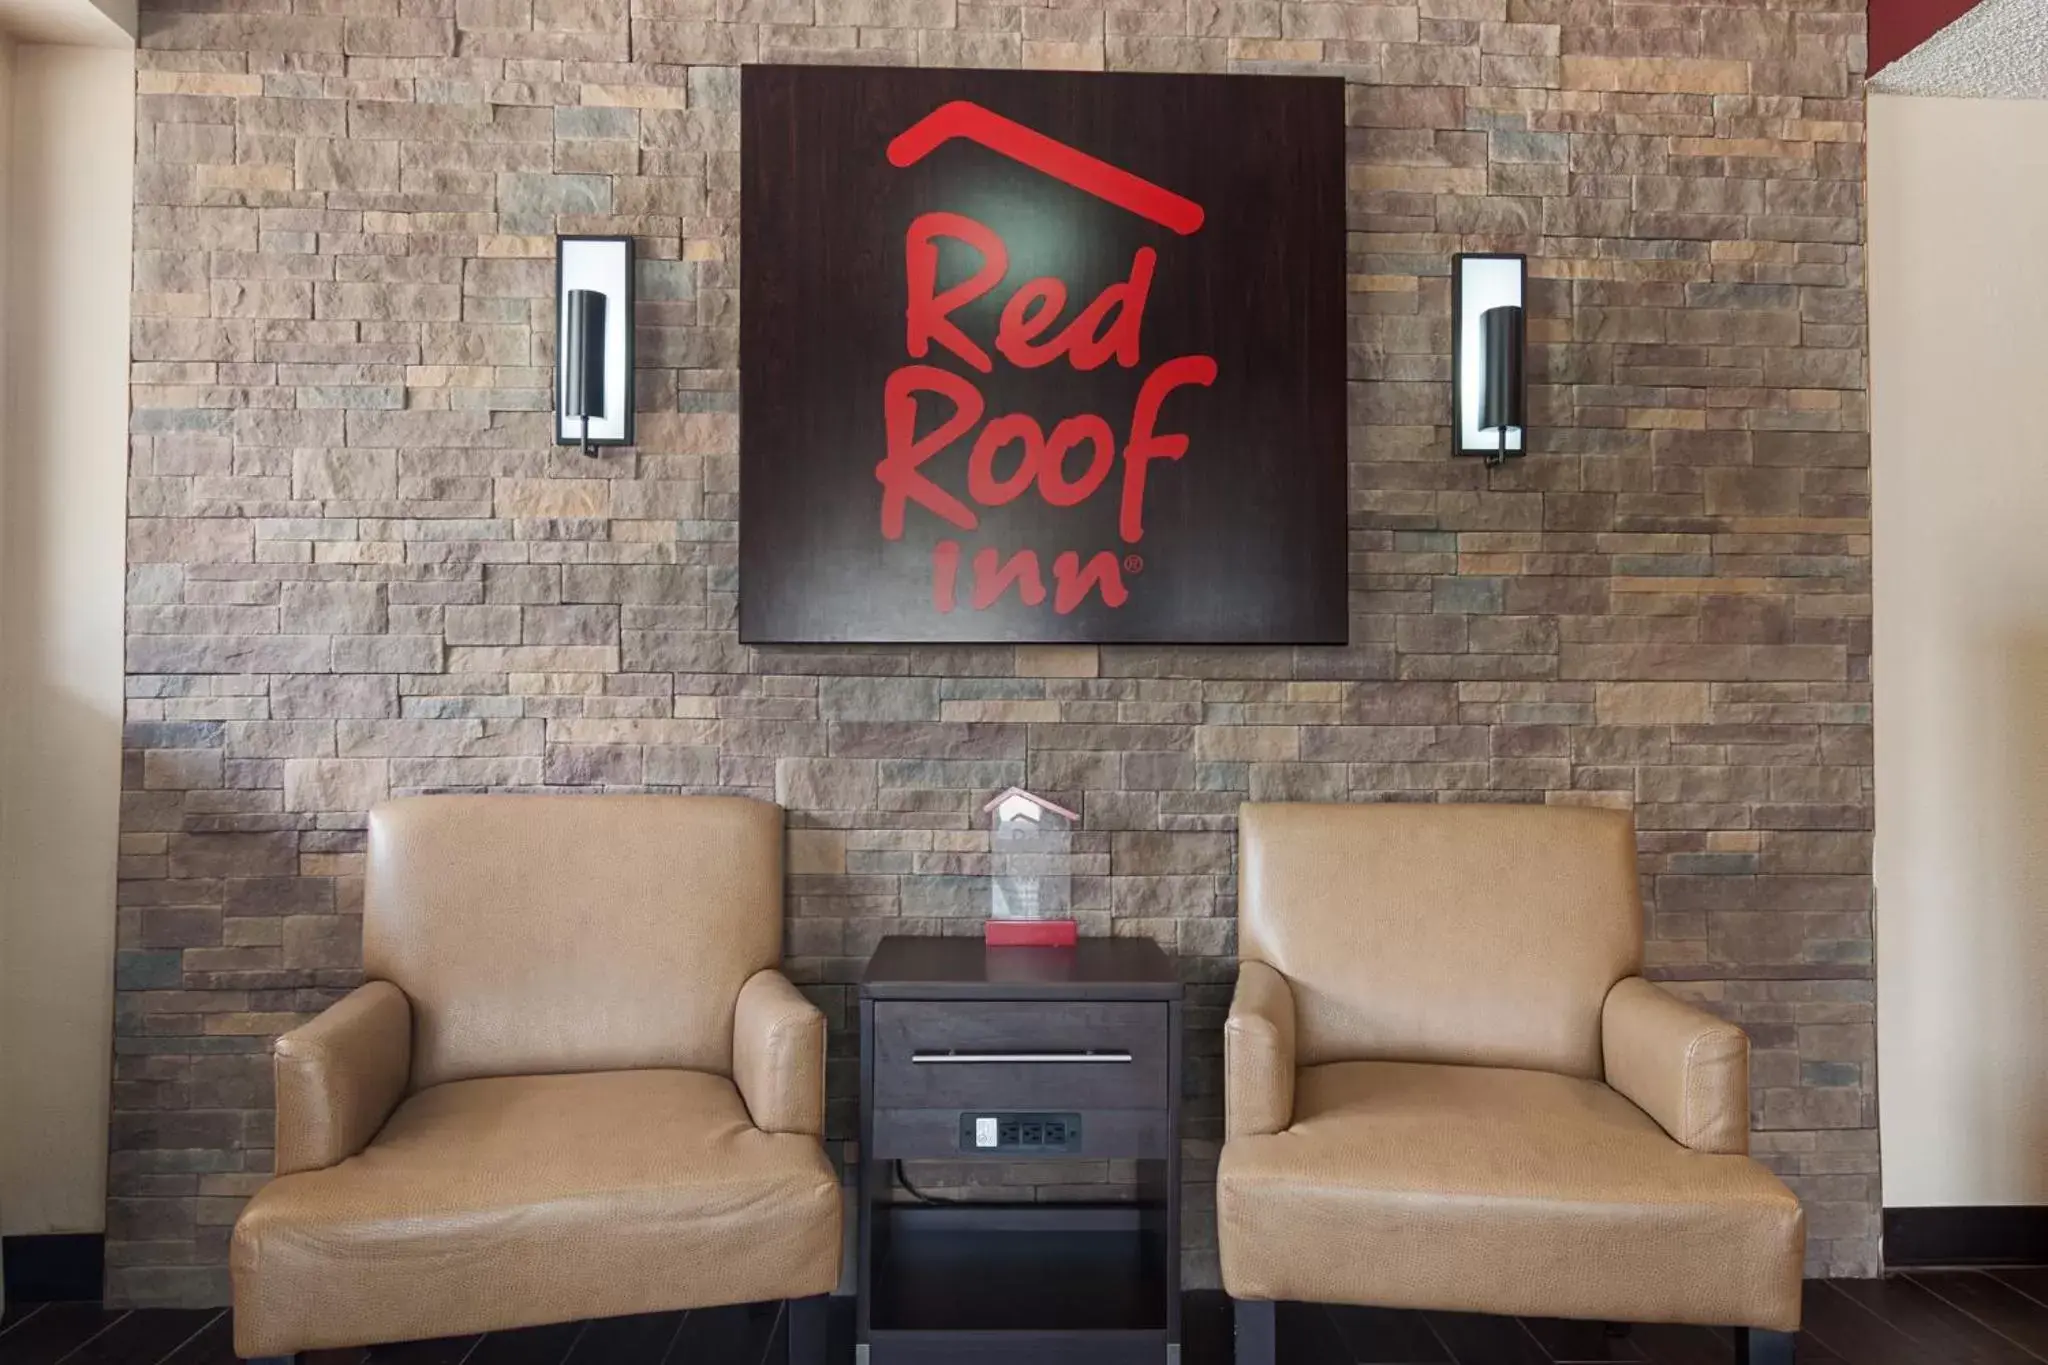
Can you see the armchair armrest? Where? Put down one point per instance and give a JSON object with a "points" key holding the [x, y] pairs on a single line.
{"points": [[778, 1056], [340, 1076], [1679, 1064], [1258, 1054]]}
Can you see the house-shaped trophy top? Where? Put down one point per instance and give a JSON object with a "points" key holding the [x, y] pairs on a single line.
{"points": [[1030, 840], [1014, 804]]}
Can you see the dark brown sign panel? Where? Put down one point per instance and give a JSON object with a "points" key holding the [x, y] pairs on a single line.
{"points": [[1038, 356]]}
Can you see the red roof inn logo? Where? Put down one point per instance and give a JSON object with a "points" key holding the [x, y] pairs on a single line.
{"points": [[1034, 330], [1086, 420]]}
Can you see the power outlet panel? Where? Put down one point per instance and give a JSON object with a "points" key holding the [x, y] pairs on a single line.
{"points": [[1006, 1133]]}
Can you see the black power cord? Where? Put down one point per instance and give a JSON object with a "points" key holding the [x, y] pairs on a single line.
{"points": [[903, 1179]]}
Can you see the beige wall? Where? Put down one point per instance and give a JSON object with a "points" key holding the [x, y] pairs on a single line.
{"points": [[66, 236], [6, 240], [1959, 373], [90, 23]]}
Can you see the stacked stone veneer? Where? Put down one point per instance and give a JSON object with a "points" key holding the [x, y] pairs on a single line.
{"points": [[358, 566]]}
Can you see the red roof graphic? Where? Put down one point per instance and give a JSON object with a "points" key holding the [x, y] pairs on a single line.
{"points": [[964, 118]]}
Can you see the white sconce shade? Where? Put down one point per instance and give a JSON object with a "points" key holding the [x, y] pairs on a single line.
{"points": [[1489, 386], [594, 341]]}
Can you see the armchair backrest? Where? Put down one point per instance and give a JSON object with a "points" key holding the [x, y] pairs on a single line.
{"points": [[1476, 934], [571, 933]]}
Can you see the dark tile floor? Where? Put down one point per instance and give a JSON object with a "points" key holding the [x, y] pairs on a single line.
{"points": [[1950, 1318]]}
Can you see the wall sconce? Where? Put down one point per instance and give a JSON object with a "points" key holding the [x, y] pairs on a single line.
{"points": [[1489, 337], [594, 342]]}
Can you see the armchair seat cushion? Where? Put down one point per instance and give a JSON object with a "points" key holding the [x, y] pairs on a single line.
{"points": [[512, 1201], [1482, 1189]]}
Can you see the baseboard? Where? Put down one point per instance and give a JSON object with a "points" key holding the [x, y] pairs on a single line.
{"points": [[1967, 1235], [58, 1267]]}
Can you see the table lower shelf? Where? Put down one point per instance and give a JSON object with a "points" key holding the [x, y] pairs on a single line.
{"points": [[1015, 1348], [948, 1279]]}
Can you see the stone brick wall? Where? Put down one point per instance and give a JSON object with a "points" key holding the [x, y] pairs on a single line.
{"points": [[359, 567]]}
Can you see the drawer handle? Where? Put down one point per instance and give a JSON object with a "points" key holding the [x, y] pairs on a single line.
{"points": [[950, 1058]]}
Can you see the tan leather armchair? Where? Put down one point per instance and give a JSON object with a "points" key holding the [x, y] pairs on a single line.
{"points": [[1448, 1087], [574, 1085]]}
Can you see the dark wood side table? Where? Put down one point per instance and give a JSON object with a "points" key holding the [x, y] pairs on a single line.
{"points": [[1030, 1055]]}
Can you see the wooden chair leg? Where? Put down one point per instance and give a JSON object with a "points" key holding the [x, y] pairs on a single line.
{"points": [[1256, 1335], [807, 1322], [1755, 1346]]}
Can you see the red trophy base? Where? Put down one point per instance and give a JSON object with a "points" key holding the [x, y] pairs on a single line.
{"points": [[1029, 933]]}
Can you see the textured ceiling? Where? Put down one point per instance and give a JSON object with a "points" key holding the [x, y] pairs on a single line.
{"points": [[1998, 50]]}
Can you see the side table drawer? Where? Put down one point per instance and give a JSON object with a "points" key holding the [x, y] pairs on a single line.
{"points": [[943, 1054]]}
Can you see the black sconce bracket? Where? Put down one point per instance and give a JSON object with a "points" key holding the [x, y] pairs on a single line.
{"points": [[1489, 347], [594, 289]]}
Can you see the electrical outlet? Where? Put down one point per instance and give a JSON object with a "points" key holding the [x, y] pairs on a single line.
{"points": [[1035, 1133]]}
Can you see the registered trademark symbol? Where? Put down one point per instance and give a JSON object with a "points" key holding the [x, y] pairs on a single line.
{"points": [[1134, 564]]}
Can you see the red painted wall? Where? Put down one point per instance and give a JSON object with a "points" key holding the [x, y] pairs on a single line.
{"points": [[1899, 26]]}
